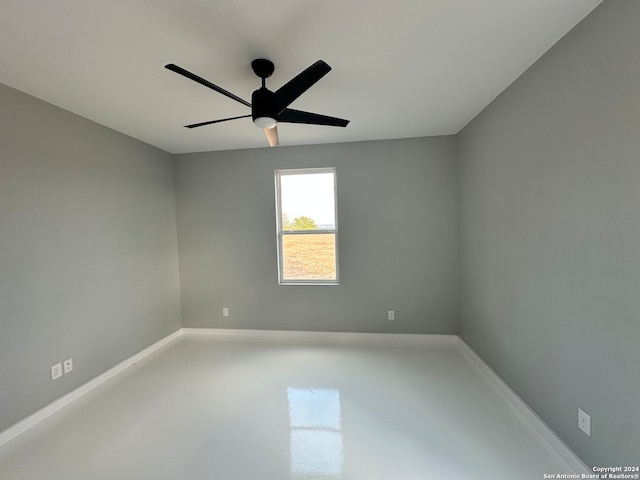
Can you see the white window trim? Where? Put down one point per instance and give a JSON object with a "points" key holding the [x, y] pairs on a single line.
{"points": [[280, 232]]}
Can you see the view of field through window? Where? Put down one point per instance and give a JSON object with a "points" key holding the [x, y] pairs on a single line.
{"points": [[309, 257], [308, 225]]}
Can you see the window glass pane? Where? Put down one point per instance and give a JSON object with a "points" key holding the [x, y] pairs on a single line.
{"points": [[309, 256], [308, 201]]}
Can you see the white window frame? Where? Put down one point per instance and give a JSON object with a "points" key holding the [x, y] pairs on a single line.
{"points": [[281, 232]]}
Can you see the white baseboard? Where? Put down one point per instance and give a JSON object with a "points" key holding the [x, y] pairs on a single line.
{"points": [[524, 410], [57, 405], [335, 338]]}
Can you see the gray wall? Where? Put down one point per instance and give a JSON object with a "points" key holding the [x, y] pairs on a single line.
{"points": [[88, 250], [550, 234], [397, 213]]}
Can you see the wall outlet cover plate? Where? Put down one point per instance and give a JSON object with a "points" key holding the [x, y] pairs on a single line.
{"points": [[68, 365], [56, 371], [584, 422]]}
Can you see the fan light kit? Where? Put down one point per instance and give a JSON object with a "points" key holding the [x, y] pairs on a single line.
{"points": [[270, 108], [265, 122]]}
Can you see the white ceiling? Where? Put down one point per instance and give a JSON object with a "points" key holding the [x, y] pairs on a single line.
{"points": [[400, 69]]}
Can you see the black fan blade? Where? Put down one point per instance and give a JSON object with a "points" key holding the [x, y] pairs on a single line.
{"points": [[297, 116], [206, 83], [201, 124], [295, 87]]}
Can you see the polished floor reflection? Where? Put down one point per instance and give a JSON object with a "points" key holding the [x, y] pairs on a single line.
{"points": [[240, 410], [316, 444]]}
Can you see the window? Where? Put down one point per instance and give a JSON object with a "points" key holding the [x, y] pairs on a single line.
{"points": [[307, 226]]}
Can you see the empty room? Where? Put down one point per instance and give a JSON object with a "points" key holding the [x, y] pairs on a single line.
{"points": [[319, 240]]}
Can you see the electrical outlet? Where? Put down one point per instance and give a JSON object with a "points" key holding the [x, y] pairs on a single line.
{"points": [[392, 315], [56, 371], [225, 312], [584, 422], [68, 365]]}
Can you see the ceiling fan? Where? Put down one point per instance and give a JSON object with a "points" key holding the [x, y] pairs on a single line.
{"points": [[267, 107]]}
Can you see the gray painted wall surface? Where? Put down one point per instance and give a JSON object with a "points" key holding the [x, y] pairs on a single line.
{"points": [[397, 213], [88, 250], [550, 235]]}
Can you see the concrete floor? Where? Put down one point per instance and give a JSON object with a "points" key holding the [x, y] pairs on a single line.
{"points": [[221, 409]]}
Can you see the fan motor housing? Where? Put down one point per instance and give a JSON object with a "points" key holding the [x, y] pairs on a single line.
{"points": [[263, 104]]}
